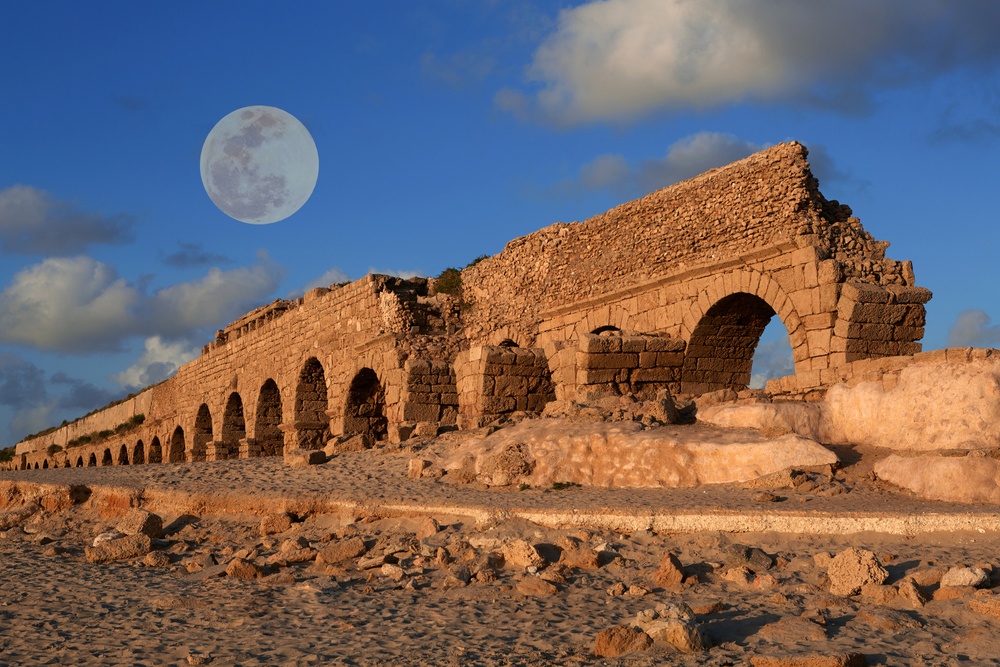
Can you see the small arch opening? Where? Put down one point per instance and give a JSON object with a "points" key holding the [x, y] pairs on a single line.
{"points": [[176, 454], [139, 453], [267, 424], [365, 411], [123, 456], [312, 425], [202, 433]]}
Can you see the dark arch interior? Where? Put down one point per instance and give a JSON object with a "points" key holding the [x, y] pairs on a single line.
{"points": [[234, 426], [267, 425], [79, 462], [139, 453], [176, 454], [365, 412], [720, 352], [202, 433], [106, 459], [92, 461], [312, 425], [155, 450], [123, 456], [607, 328]]}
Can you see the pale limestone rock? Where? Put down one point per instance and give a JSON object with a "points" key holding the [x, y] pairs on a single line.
{"points": [[536, 586], [156, 559], [107, 537], [853, 568], [342, 550], [303, 458], [673, 623], [239, 568], [621, 454], [975, 577], [521, 553], [962, 479]]}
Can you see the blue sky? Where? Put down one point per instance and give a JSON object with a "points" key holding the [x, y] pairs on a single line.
{"points": [[446, 128]]}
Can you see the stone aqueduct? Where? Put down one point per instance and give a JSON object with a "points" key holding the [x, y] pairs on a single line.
{"points": [[673, 289]]}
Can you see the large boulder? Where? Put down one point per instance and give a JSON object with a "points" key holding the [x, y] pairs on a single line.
{"points": [[854, 568], [960, 479], [138, 521], [123, 548]]}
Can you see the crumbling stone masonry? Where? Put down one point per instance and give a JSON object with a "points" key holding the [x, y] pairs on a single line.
{"points": [[670, 290]]}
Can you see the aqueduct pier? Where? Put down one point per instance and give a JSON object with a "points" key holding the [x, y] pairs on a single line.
{"points": [[673, 289]]}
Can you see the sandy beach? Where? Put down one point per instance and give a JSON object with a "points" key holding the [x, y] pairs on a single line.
{"points": [[469, 580]]}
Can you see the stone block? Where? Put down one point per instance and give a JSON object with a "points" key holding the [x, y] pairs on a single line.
{"points": [[593, 344]]}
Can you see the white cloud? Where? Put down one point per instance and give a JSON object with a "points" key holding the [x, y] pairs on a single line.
{"points": [[622, 59], [972, 328], [33, 222], [685, 159], [80, 304], [772, 358], [159, 360], [329, 277]]}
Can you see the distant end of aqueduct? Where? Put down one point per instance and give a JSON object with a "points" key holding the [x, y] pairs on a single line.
{"points": [[671, 290]]}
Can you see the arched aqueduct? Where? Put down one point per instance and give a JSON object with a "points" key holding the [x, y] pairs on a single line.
{"points": [[684, 280]]}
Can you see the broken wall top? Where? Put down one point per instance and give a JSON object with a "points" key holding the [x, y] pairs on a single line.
{"points": [[763, 200]]}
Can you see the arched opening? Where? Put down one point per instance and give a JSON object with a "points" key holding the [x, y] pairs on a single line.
{"points": [[139, 453], [106, 459], [79, 461], [155, 451], [234, 427], [720, 352], [507, 342], [176, 454], [45, 464], [123, 456], [365, 410], [92, 461], [36, 465], [66, 463], [773, 356], [608, 329], [312, 425], [202, 433], [267, 421]]}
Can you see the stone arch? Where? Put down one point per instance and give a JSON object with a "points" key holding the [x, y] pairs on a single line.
{"points": [[312, 424], [234, 427], [139, 453], [67, 464], [724, 326], [365, 408], [155, 451], [45, 464], [176, 452], [267, 420], [123, 455], [202, 433], [79, 462], [36, 465], [607, 328], [106, 459], [92, 461]]}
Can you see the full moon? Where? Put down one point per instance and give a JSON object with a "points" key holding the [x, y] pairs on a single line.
{"points": [[259, 165]]}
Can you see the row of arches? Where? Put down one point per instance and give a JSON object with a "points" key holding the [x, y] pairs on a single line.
{"points": [[364, 412]]}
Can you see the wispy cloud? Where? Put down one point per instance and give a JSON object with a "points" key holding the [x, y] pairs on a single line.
{"points": [[193, 255], [79, 304], [35, 397], [33, 222], [160, 359], [685, 159], [771, 359], [618, 60], [972, 328]]}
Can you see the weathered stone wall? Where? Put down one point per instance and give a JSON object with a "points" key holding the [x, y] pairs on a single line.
{"points": [[623, 364], [103, 420], [497, 380], [766, 200]]}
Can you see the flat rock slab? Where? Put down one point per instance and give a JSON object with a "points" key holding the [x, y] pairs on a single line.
{"points": [[964, 479], [623, 455]]}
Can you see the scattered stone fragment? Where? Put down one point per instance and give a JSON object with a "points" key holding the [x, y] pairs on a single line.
{"points": [[709, 607], [303, 458], [637, 591], [342, 550], [988, 605], [156, 559], [741, 575], [536, 586], [428, 528], [16, 517], [813, 660], [123, 548], [138, 520], [371, 563], [275, 523], [355, 443], [620, 640], [879, 593], [887, 619], [853, 568], [416, 468], [766, 497], [752, 557], [671, 573], [976, 577], [792, 629], [392, 571], [617, 590], [520, 553], [954, 592], [460, 573], [243, 569], [673, 623], [199, 658], [908, 590]]}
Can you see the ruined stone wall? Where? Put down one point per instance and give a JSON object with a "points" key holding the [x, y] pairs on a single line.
{"points": [[765, 200], [618, 365], [103, 420], [498, 380]]}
